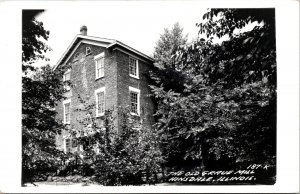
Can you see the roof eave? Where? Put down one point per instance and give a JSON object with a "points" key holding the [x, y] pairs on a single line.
{"points": [[111, 43], [66, 52], [76, 39], [118, 43]]}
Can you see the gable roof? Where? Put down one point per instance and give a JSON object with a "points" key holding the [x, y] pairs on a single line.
{"points": [[105, 42]]}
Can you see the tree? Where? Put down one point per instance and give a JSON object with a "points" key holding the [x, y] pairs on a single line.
{"points": [[33, 48], [167, 46], [41, 89], [254, 81], [168, 67], [229, 94]]}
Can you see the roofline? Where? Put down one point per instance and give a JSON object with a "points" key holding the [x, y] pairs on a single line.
{"points": [[79, 36], [96, 38], [130, 49], [111, 42]]}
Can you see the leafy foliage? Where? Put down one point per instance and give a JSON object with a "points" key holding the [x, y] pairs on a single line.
{"points": [[251, 85], [41, 89], [117, 157], [167, 46], [33, 34], [227, 109], [168, 67]]}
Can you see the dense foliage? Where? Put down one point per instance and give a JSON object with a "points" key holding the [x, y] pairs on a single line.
{"points": [[41, 89], [33, 34], [168, 44], [168, 68], [128, 156], [226, 111]]}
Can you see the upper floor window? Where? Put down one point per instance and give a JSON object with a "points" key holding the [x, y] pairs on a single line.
{"points": [[100, 101], [99, 60], [88, 50], [67, 111], [133, 67], [66, 79], [134, 100]]}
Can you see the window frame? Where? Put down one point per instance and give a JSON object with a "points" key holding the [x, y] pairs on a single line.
{"points": [[67, 150], [138, 92], [137, 67], [96, 58], [67, 87], [100, 90], [68, 101]]}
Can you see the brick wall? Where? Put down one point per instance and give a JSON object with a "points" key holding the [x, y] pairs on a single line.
{"points": [[116, 81], [85, 84], [124, 81], [83, 76]]}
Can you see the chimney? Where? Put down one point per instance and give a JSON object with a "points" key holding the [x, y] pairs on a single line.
{"points": [[83, 30]]}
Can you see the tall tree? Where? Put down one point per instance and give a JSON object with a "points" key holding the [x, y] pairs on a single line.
{"points": [[227, 109], [167, 46], [168, 67], [33, 48], [252, 85], [41, 89]]}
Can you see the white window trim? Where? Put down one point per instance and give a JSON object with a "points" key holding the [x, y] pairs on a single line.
{"points": [[137, 67], [138, 91], [102, 89], [64, 79], [65, 144], [68, 71], [101, 55], [66, 102]]}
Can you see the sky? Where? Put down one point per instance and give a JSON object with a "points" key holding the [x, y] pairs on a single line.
{"points": [[135, 23]]}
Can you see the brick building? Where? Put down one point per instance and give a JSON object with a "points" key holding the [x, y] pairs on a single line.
{"points": [[109, 75]]}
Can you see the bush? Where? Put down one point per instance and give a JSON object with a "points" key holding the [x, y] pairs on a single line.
{"points": [[117, 156], [117, 170]]}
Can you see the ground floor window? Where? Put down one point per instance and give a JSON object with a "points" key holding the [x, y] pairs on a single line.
{"points": [[68, 145], [100, 101], [67, 111], [134, 95]]}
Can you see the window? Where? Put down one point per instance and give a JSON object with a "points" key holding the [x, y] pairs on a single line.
{"points": [[67, 111], [87, 50], [100, 68], [68, 145], [100, 101], [66, 79], [99, 60], [133, 102], [133, 68], [134, 95]]}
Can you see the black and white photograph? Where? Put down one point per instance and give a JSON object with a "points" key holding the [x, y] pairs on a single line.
{"points": [[149, 94]]}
